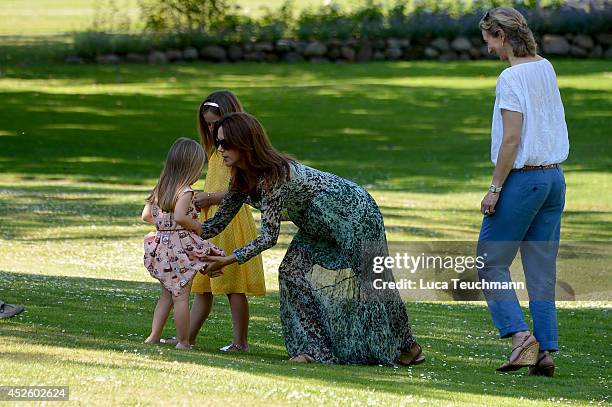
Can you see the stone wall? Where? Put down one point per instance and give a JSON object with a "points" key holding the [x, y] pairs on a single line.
{"points": [[391, 49]]}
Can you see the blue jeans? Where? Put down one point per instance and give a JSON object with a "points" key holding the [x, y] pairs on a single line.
{"points": [[527, 217]]}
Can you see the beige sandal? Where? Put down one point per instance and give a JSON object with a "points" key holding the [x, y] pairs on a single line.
{"points": [[544, 367], [528, 355], [303, 358], [232, 347]]}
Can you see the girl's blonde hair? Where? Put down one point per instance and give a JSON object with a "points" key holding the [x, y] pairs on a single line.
{"points": [[182, 168], [511, 23]]}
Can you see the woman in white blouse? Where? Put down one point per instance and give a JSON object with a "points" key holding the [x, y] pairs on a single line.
{"points": [[523, 207]]}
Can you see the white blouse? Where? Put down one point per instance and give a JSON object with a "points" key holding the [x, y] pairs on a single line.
{"points": [[531, 89]]}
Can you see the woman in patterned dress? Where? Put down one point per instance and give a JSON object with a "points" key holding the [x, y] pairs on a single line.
{"points": [[330, 311]]}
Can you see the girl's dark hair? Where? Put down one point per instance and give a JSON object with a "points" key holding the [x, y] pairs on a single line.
{"points": [[259, 159], [220, 103]]}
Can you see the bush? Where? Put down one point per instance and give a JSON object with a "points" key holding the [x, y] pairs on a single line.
{"points": [[587, 17], [90, 44], [324, 23], [275, 24], [182, 23], [369, 21], [183, 15]]}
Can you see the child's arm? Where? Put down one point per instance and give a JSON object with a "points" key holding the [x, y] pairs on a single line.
{"points": [[146, 214], [180, 213]]}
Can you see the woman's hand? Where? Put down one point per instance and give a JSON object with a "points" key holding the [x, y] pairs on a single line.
{"points": [[216, 251], [202, 200], [513, 123], [216, 263], [487, 206], [213, 274]]}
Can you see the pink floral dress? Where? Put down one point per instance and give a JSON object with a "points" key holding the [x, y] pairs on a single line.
{"points": [[172, 254]]}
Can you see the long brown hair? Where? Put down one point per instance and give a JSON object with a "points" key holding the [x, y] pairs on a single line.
{"points": [[260, 159], [220, 103], [511, 23], [182, 168]]}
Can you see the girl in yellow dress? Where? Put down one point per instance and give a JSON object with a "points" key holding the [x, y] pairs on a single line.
{"points": [[237, 280]]}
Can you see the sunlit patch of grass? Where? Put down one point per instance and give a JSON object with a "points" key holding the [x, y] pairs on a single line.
{"points": [[81, 146]]}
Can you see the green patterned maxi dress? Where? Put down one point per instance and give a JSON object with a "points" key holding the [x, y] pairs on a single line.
{"points": [[329, 308]]}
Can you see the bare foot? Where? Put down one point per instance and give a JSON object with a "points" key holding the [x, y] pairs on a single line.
{"points": [[152, 340], [183, 346]]}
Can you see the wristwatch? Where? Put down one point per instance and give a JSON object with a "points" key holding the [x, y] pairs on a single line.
{"points": [[494, 189]]}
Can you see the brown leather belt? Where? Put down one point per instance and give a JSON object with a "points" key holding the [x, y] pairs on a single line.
{"points": [[536, 167]]}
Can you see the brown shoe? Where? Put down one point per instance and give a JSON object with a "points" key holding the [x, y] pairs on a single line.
{"points": [[544, 367], [413, 357], [527, 356]]}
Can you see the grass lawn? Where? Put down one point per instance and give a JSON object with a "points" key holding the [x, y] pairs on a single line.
{"points": [[80, 146]]}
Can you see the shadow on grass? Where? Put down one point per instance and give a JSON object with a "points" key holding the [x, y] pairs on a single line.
{"points": [[306, 71], [462, 350], [390, 137], [26, 209]]}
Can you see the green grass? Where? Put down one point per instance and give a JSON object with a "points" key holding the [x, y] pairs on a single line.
{"points": [[86, 333], [417, 131], [80, 146]]}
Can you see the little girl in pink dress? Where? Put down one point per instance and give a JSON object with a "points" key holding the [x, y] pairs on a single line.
{"points": [[176, 252], [173, 254]]}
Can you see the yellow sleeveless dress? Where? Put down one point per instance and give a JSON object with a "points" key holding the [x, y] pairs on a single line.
{"points": [[247, 278]]}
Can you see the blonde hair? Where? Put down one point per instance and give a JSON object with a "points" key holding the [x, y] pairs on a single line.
{"points": [[514, 26], [182, 168]]}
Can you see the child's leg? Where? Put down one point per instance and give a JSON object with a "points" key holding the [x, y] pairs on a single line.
{"points": [[181, 319], [240, 318], [160, 316], [200, 310]]}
